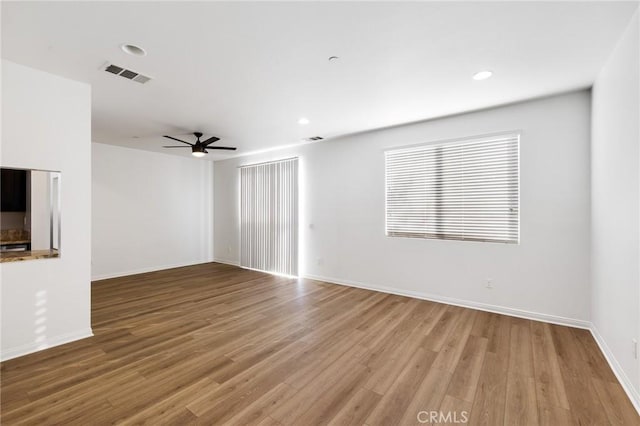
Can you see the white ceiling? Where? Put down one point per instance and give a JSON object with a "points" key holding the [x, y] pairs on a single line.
{"points": [[246, 72]]}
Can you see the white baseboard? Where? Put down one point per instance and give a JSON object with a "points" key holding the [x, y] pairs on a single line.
{"points": [[553, 319], [624, 380], [145, 270], [29, 348], [228, 262]]}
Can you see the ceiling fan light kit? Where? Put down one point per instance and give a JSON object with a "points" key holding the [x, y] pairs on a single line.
{"points": [[199, 149]]}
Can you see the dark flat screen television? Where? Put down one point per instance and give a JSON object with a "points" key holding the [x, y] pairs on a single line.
{"points": [[13, 183]]}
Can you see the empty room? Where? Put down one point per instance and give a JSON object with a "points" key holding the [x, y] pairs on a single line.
{"points": [[320, 213]]}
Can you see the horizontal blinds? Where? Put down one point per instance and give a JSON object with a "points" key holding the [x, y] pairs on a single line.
{"points": [[467, 190], [269, 216]]}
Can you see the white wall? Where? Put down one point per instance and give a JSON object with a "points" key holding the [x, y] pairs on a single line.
{"points": [[150, 211], [40, 214], [343, 200], [47, 125], [616, 207]]}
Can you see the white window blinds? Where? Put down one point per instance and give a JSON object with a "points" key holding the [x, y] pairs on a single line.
{"points": [[269, 216], [461, 190]]}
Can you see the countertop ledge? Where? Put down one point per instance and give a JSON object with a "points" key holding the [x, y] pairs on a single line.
{"points": [[17, 256]]}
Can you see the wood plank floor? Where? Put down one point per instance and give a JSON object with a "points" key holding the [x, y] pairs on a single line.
{"points": [[215, 344]]}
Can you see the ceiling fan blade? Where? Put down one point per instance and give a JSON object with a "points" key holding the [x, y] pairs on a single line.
{"points": [[174, 146], [175, 139], [222, 147], [212, 139]]}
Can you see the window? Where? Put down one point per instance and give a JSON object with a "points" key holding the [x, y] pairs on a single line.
{"points": [[269, 216], [458, 190]]}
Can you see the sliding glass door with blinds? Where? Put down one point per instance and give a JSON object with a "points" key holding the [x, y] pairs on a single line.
{"points": [[269, 216], [458, 190]]}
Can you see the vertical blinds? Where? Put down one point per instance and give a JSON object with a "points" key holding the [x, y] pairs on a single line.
{"points": [[269, 216], [463, 190]]}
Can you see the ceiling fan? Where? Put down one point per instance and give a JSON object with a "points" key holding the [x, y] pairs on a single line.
{"points": [[199, 149]]}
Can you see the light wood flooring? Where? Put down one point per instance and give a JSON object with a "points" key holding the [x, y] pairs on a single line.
{"points": [[215, 344]]}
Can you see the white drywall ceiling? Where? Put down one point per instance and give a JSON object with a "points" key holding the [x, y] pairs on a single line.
{"points": [[246, 72]]}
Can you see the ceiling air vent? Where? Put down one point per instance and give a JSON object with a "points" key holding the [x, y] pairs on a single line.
{"points": [[128, 74], [315, 138]]}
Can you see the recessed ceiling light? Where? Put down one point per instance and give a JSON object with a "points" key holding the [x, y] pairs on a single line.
{"points": [[333, 58], [482, 75], [134, 50], [303, 121]]}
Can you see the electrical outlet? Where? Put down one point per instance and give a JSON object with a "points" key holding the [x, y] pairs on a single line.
{"points": [[320, 261], [489, 283], [229, 249], [635, 348]]}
